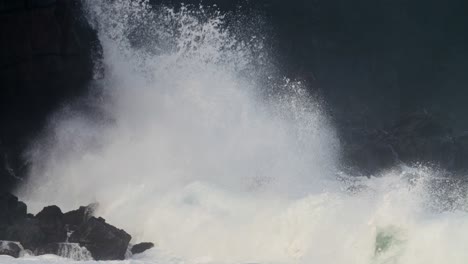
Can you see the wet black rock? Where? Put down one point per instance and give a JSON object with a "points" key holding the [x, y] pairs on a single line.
{"points": [[11, 210], [10, 248], [141, 247], [27, 232], [52, 224], [47, 232], [76, 218], [104, 241], [17, 225]]}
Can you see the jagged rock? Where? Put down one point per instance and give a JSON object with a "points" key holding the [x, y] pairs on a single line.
{"points": [[52, 224], [141, 247], [76, 218], [46, 232], [104, 241], [65, 250], [27, 232], [10, 248], [17, 225], [11, 210]]}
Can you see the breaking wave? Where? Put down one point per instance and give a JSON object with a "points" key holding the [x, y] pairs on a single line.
{"points": [[194, 140]]}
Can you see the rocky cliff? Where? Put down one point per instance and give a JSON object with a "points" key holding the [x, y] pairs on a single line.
{"points": [[46, 57]]}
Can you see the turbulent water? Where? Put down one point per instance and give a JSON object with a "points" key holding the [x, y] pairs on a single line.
{"points": [[194, 140]]}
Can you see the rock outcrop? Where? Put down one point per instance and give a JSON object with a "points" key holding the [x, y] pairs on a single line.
{"points": [[47, 233], [76, 218], [52, 224], [27, 232], [11, 210], [10, 248], [104, 241], [141, 247]]}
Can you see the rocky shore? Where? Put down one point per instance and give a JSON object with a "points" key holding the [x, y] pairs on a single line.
{"points": [[78, 234]]}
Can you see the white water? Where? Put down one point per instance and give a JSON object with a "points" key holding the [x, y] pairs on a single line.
{"points": [[200, 147]]}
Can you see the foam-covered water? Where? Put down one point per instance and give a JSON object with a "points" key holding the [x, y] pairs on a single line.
{"points": [[195, 142]]}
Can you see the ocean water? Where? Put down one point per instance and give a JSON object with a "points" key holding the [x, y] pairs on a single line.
{"points": [[194, 140]]}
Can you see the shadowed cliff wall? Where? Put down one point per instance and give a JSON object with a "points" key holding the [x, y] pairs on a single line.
{"points": [[46, 58]]}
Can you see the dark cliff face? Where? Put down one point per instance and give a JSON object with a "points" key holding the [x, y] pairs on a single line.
{"points": [[46, 59]]}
